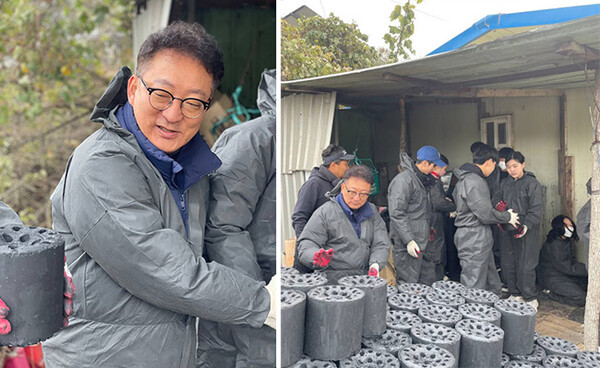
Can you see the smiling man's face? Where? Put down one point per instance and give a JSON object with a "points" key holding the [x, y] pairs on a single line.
{"points": [[183, 77]]}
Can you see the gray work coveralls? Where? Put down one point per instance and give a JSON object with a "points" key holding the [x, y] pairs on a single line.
{"points": [[140, 279], [410, 219], [240, 229], [519, 257], [473, 238]]}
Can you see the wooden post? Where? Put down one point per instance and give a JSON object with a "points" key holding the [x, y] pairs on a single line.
{"points": [[403, 129], [592, 305]]}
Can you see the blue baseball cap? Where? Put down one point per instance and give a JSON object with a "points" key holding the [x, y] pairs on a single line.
{"points": [[431, 154]]}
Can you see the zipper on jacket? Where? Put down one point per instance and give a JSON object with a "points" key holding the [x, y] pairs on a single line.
{"points": [[186, 220]]}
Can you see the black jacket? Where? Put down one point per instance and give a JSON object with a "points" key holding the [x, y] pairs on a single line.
{"points": [[557, 258], [524, 196], [312, 196]]}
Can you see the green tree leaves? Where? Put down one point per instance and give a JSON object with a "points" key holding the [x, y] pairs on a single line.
{"points": [[398, 38], [56, 58], [321, 46]]}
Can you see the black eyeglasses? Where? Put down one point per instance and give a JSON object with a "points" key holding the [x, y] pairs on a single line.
{"points": [[353, 194], [160, 99]]}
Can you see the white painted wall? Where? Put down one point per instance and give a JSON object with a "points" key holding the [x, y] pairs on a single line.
{"points": [[536, 136]]}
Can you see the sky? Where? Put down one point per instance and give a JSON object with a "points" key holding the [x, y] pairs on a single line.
{"points": [[436, 21]]}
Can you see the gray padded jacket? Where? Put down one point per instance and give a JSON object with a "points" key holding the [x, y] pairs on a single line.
{"points": [[409, 207], [140, 279], [8, 215], [472, 197], [329, 227]]}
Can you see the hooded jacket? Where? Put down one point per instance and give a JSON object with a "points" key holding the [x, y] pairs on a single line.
{"points": [[557, 259], [140, 278], [409, 206], [312, 195], [240, 231], [472, 198]]}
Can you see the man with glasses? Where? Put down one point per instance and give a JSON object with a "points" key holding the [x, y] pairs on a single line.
{"points": [[132, 206], [346, 235], [410, 217]]}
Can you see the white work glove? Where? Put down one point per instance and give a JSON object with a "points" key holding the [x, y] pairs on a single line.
{"points": [[374, 270], [413, 249], [272, 289], [453, 214], [514, 218]]}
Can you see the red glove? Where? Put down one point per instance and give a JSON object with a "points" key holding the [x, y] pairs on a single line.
{"points": [[69, 292], [322, 257], [432, 234], [374, 270], [501, 206], [4, 324], [521, 231]]}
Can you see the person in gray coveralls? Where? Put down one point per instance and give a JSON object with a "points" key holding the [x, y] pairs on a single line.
{"points": [[410, 217], [475, 213]]}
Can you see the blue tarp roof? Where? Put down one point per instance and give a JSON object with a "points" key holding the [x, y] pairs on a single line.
{"points": [[523, 19]]}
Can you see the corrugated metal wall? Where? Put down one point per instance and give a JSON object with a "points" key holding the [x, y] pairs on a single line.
{"points": [[152, 18], [306, 122]]}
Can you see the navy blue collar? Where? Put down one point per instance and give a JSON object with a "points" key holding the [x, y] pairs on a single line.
{"points": [[181, 170], [361, 214]]}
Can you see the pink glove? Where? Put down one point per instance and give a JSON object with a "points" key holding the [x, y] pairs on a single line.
{"points": [[374, 270], [322, 257], [69, 292], [5, 327]]}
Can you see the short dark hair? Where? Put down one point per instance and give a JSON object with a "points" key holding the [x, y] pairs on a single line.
{"points": [[329, 150], [444, 159], [360, 171], [483, 153], [476, 145], [190, 39], [517, 156], [505, 152]]}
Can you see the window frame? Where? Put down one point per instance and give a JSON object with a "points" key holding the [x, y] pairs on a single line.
{"points": [[497, 120]]}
